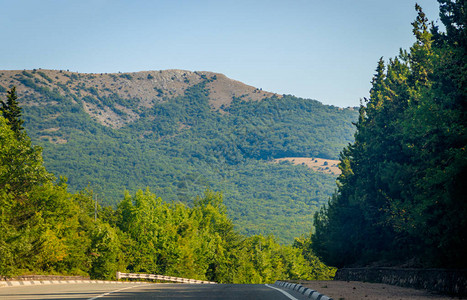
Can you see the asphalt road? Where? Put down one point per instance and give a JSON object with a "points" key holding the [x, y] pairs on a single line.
{"points": [[148, 291]]}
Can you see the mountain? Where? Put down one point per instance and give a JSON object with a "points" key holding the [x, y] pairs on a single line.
{"points": [[179, 133]]}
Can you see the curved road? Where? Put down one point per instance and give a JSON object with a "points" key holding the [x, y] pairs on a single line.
{"points": [[93, 291]]}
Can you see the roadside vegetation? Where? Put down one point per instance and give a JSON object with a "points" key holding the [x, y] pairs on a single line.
{"points": [[401, 197]]}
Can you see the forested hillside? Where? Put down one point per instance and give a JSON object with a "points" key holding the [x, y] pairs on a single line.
{"points": [[179, 133], [45, 229], [401, 197]]}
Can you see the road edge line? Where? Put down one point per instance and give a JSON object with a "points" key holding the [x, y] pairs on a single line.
{"points": [[282, 291], [116, 291]]}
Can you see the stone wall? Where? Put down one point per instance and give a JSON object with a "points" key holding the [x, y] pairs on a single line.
{"points": [[452, 282]]}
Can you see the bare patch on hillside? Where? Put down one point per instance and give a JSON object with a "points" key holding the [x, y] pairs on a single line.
{"points": [[223, 90], [53, 129], [322, 165]]}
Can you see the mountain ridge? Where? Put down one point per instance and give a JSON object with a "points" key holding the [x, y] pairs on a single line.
{"points": [[149, 86]]}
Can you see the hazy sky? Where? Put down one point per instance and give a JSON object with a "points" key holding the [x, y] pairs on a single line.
{"points": [[321, 49]]}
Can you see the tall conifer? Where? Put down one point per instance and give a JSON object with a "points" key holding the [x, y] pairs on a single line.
{"points": [[12, 111]]}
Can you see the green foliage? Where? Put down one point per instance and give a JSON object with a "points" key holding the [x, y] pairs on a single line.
{"points": [[179, 147], [12, 112], [126, 76], [201, 243], [43, 75], [36, 218], [104, 250], [400, 200], [20, 163]]}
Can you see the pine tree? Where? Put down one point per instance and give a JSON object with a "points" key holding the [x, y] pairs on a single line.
{"points": [[12, 112]]}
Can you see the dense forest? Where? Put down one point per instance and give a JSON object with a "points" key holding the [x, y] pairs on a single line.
{"points": [[401, 197], [179, 146], [45, 229]]}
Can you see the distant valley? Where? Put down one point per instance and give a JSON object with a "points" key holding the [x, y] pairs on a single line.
{"points": [[179, 133]]}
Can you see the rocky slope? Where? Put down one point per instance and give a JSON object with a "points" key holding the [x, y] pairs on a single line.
{"points": [[147, 87]]}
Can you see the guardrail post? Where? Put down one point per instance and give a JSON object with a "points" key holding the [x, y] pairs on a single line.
{"points": [[118, 275]]}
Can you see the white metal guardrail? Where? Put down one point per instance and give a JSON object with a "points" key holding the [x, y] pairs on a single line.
{"points": [[161, 277]]}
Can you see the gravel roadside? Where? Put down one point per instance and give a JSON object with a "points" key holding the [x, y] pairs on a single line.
{"points": [[355, 290]]}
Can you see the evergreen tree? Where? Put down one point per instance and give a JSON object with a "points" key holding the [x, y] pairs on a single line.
{"points": [[12, 111], [400, 196]]}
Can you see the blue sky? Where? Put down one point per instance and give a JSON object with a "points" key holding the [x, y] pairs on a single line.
{"points": [[321, 49]]}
